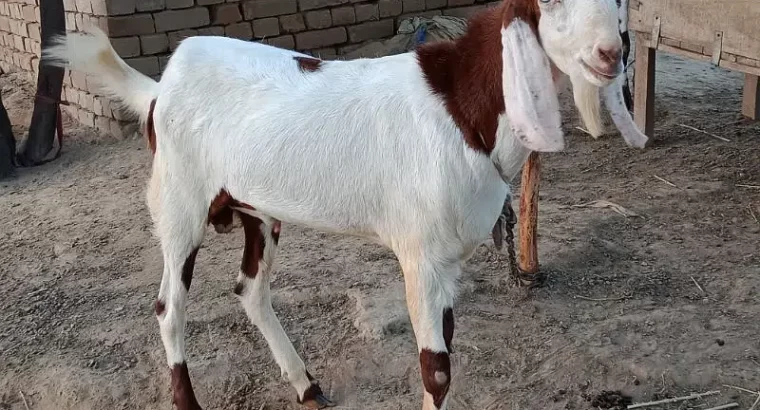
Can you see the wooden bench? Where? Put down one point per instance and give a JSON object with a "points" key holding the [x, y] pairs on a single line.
{"points": [[724, 32]]}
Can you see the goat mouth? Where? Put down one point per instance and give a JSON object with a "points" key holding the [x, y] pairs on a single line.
{"points": [[598, 74]]}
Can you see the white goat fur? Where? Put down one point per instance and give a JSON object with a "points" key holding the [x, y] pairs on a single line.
{"points": [[360, 147]]}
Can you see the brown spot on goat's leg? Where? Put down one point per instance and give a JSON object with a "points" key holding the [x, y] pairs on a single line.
{"points": [[187, 269], [436, 375], [253, 252], [160, 307], [254, 245], [184, 397], [448, 328], [150, 129]]}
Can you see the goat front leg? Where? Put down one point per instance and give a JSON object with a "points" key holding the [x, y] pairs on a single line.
{"points": [[253, 290], [430, 293]]}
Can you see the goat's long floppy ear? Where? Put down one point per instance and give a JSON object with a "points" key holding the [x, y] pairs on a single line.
{"points": [[615, 102], [530, 97]]}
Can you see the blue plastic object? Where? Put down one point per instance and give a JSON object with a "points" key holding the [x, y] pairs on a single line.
{"points": [[420, 36]]}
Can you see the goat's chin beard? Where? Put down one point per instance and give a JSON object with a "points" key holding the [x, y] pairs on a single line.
{"points": [[588, 100], [586, 96]]}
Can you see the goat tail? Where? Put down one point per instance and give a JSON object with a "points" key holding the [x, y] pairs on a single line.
{"points": [[91, 53]]}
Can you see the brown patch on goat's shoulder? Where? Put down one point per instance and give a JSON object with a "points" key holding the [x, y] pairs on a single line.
{"points": [[308, 64], [150, 130], [466, 73]]}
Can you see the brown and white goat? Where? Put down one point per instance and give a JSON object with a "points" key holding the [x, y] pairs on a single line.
{"points": [[413, 151]]}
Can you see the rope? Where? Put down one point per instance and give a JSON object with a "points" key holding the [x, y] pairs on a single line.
{"points": [[504, 228]]}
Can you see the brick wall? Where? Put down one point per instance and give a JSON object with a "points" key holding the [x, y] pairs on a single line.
{"points": [[145, 32], [19, 35]]}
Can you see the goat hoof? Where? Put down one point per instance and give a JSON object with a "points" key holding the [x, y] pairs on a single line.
{"points": [[317, 400], [220, 228]]}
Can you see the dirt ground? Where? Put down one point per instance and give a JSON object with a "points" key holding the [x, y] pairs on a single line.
{"points": [[655, 306]]}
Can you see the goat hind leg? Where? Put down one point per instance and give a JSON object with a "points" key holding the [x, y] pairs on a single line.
{"points": [[253, 290], [180, 247]]}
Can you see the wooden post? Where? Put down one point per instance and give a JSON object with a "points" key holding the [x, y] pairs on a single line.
{"points": [[528, 220], [643, 85], [42, 129], [7, 143], [751, 99]]}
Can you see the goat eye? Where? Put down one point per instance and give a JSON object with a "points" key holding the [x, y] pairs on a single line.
{"points": [[545, 1]]}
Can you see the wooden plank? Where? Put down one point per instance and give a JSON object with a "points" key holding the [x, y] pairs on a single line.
{"points": [[684, 53], [695, 48], [671, 42], [528, 219], [643, 86], [697, 21], [717, 50], [751, 99], [746, 61], [728, 63]]}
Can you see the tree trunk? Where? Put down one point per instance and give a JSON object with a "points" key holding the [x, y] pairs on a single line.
{"points": [[7, 143], [42, 130]]}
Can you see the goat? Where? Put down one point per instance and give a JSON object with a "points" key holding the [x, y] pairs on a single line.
{"points": [[412, 151]]}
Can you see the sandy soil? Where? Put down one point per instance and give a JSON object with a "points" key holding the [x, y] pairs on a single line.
{"points": [[677, 287]]}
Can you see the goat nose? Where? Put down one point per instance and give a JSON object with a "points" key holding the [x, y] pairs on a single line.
{"points": [[609, 55]]}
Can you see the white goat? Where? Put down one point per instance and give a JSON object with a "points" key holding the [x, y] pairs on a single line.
{"points": [[414, 151]]}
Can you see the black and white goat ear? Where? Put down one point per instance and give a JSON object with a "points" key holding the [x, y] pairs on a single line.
{"points": [[530, 97]]}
